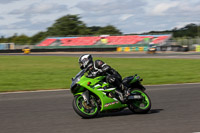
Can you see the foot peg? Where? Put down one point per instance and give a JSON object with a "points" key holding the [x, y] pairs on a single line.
{"points": [[135, 97]]}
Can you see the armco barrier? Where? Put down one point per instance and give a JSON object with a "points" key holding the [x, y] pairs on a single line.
{"points": [[198, 48], [131, 49], [62, 50], [176, 48], [159, 48]]}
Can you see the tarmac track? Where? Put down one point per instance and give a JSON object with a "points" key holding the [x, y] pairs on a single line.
{"points": [[175, 109], [183, 55]]}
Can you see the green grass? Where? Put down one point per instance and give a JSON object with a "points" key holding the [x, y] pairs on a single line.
{"points": [[19, 73]]}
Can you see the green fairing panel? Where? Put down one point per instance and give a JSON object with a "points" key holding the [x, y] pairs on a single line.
{"points": [[134, 80], [107, 102], [78, 93]]}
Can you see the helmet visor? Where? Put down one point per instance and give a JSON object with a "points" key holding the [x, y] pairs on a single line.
{"points": [[81, 65]]}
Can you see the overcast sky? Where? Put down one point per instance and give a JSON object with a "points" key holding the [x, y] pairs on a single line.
{"points": [[130, 16]]}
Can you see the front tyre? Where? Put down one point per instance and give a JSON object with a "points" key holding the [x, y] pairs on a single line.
{"points": [[86, 111], [141, 106]]}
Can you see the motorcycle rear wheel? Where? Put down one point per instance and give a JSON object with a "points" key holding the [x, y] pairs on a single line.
{"points": [[82, 109], [140, 106]]}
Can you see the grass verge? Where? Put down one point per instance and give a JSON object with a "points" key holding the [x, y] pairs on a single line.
{"points": [[19, 73]]}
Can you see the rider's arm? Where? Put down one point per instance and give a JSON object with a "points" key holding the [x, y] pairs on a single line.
{"points": [[104, 69], [101, 67]]}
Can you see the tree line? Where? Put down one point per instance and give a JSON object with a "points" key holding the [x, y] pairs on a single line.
{"points": [[71, 25], [188, 31]]}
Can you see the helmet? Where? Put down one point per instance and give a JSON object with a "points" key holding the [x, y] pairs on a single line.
{"points": [[85, 61]]}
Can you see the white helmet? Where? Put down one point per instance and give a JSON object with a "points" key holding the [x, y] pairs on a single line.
{"points": [[85, 61]]}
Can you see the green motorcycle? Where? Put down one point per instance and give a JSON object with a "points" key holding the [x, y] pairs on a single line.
{"points": [[94, 95]]}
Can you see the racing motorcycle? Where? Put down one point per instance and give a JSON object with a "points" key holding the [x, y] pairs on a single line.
{"points": [[94, 95]]}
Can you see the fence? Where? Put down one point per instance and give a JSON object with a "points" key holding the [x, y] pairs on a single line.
{"points": [[184, 41], [23, 46], [174, 44], [63, 50], [7, 46]]}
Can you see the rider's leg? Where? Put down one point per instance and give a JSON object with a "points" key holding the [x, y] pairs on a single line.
{"points": [[115, 81]]}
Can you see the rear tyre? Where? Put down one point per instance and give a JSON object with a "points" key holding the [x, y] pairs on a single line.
{"points": [[82, 109], [141, 106]]}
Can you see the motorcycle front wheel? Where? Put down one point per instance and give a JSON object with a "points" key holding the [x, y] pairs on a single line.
{"points": [[140, 106], [83, 109]]}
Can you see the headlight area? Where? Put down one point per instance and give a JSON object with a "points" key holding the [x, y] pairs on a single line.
{"points": [[75, 88]]}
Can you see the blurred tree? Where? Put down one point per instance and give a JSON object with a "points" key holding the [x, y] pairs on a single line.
{"points": [[68, 25], [12, 38], [2, 39], [22, 40], [190, 30], [38, 37], [94, 29], [109, 29]]}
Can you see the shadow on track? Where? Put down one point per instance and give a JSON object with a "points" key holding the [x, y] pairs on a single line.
{"points": [[126, 112], [153, 111]]}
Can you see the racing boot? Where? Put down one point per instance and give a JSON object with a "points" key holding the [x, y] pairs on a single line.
{"points": [[120, 96], [126, 92], [123, 92]]}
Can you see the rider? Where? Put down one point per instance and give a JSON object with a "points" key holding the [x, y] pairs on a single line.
{"points": [[99, 68]]}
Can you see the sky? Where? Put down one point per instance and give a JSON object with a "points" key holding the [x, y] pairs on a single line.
{"points": [[129, 16]]}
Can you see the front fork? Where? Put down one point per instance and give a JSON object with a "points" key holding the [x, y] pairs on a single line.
{"points": [[86, 97]]}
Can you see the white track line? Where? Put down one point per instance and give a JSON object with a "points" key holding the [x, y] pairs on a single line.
{"points": [[175, 84], [20, 92]]}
